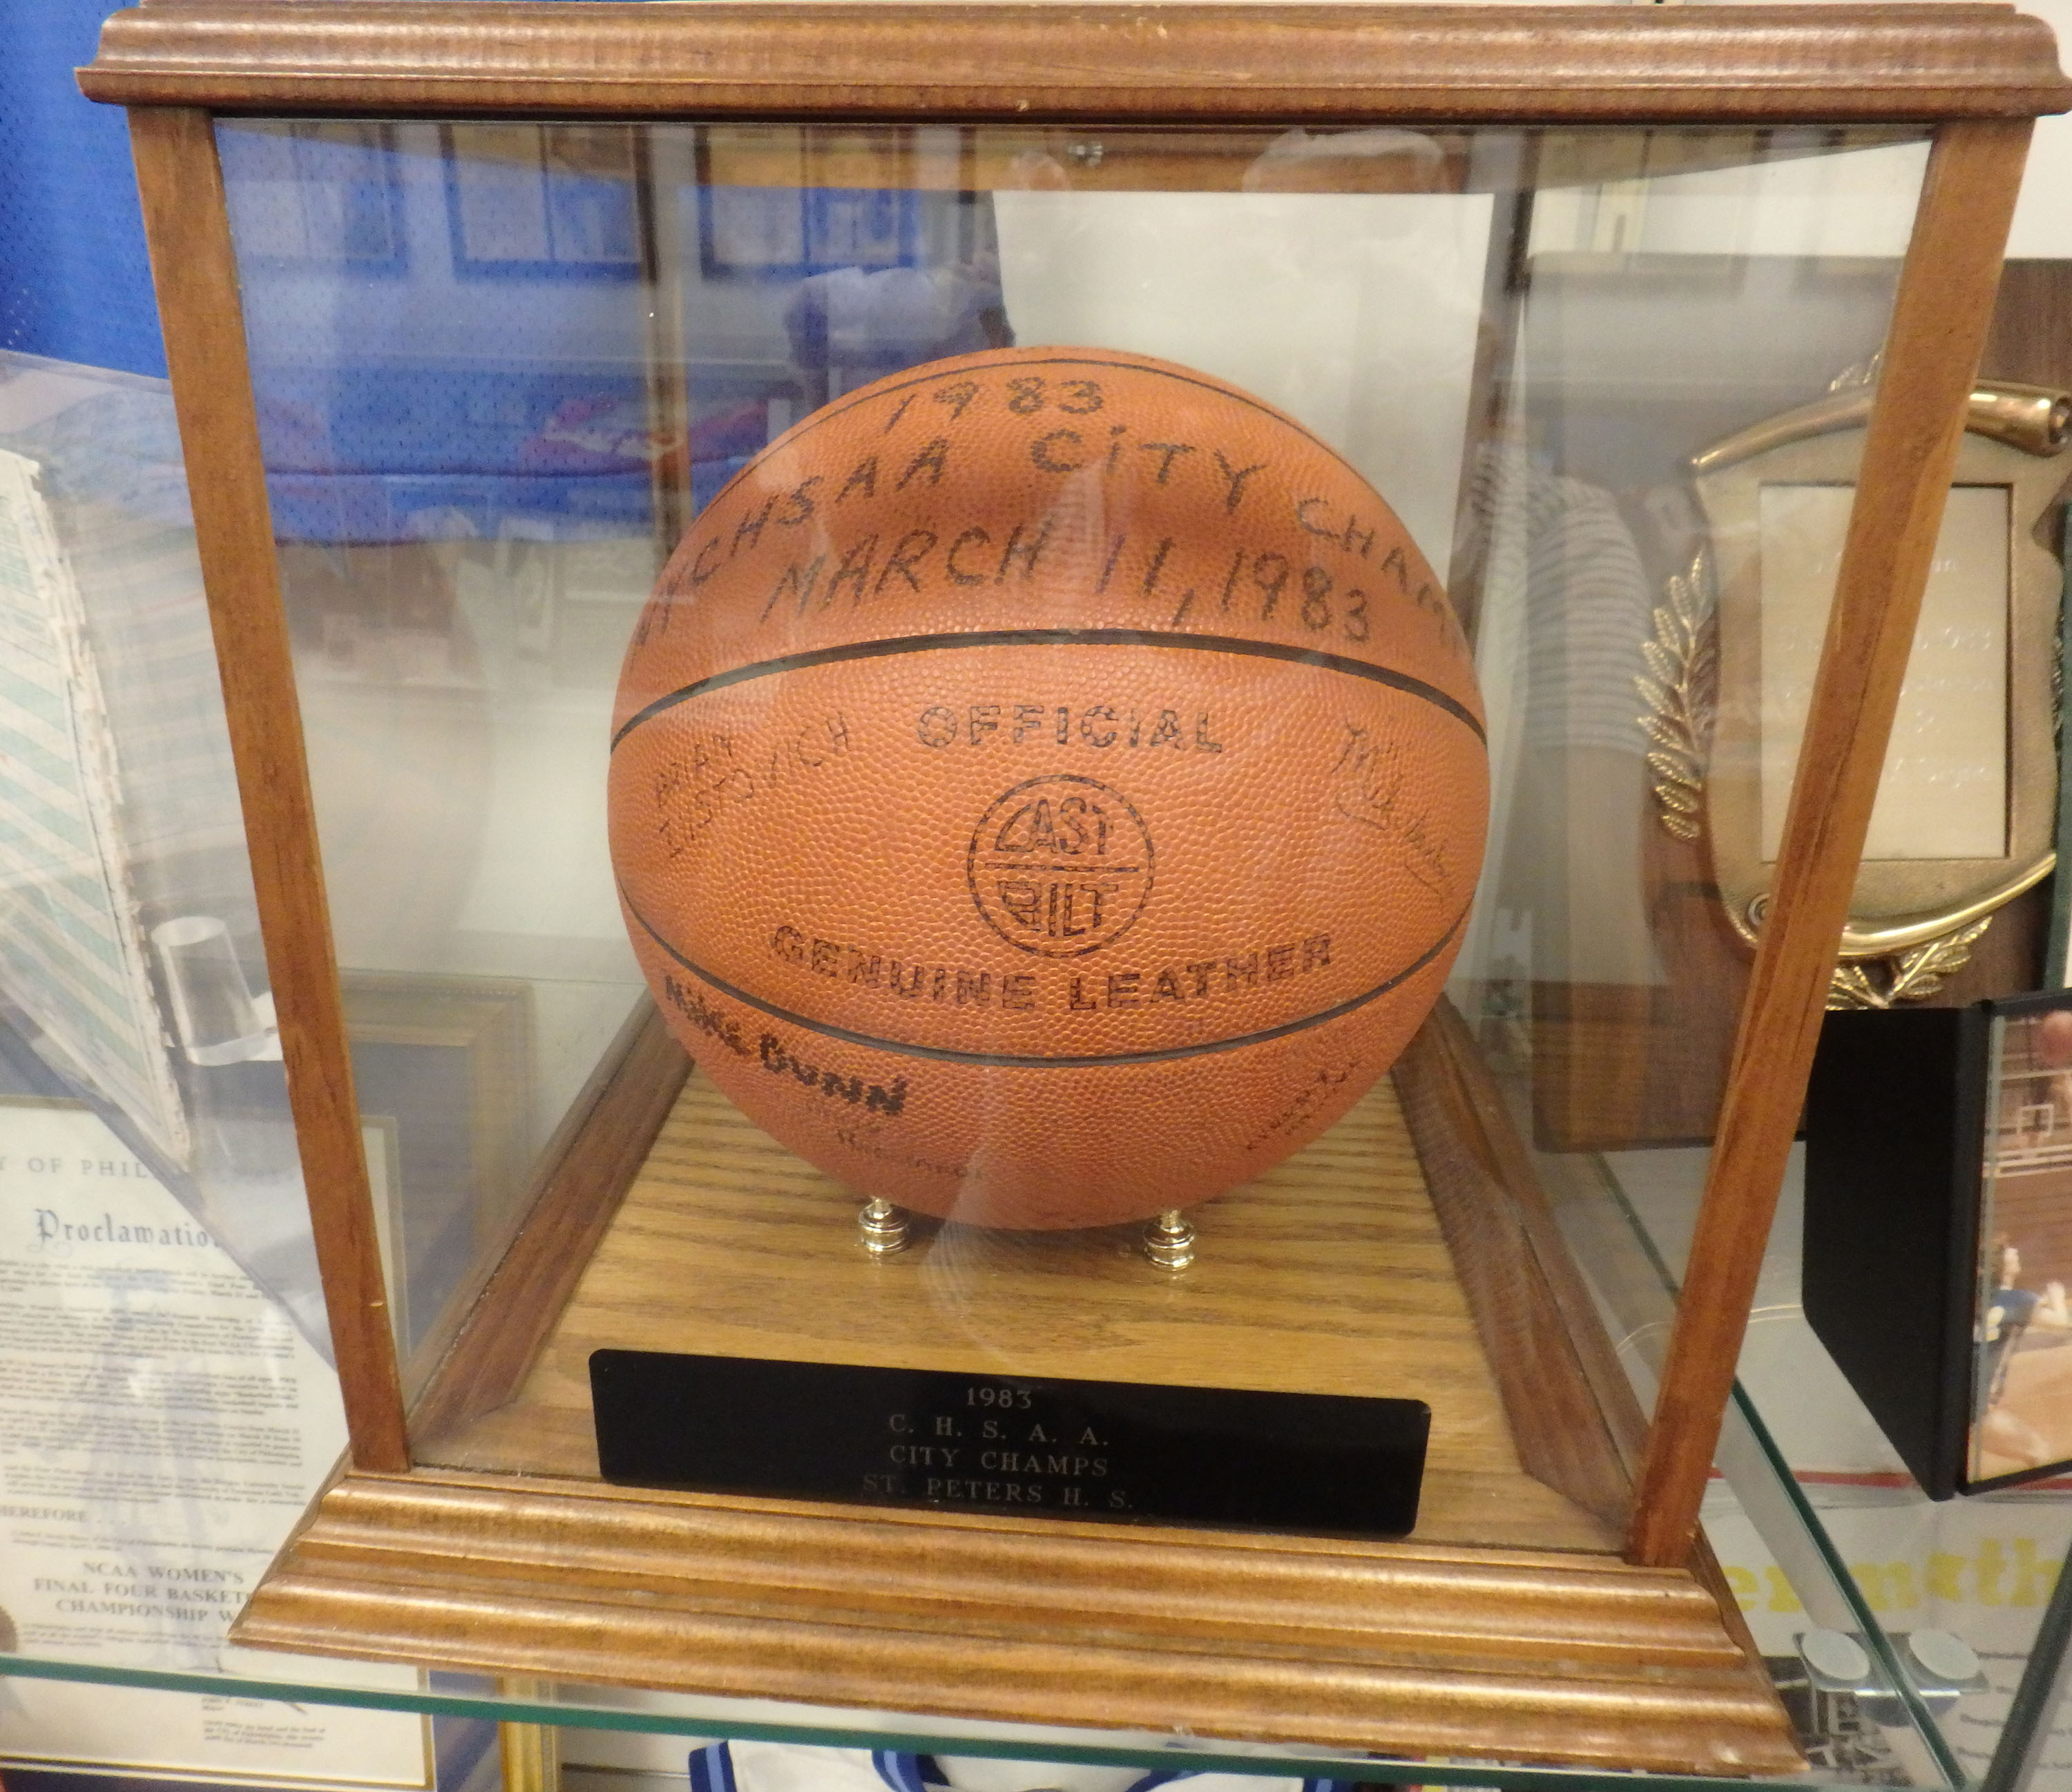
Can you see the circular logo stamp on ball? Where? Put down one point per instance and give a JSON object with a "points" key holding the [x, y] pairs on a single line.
{"points": [[1060, 865]]}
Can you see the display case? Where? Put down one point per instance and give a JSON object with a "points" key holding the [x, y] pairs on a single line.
{"points": [[1285, 413]]}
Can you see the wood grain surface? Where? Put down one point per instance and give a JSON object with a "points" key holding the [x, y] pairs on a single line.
{"points": [[1566, 1398], [1931, 355], [890, 60], [187, 230], [1144, 1633], [1329, 1275], [1578, 1424]]}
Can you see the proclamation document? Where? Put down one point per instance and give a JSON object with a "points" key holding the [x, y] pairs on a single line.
{"points": [[162, 1426]]}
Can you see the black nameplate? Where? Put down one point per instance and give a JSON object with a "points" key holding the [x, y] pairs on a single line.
{"points": [[1331, 1464]]}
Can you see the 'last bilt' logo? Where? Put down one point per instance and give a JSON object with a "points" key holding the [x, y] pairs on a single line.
{"points": [[1060, 865]]}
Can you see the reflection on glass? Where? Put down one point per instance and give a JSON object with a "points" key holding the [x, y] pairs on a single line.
{"points": [[1656, 309], [122, 818], [483, 443], [212, 1006]]}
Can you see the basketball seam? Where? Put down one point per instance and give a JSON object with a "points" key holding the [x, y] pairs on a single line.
{"points": [[1394, 680], [1014, 1060]]}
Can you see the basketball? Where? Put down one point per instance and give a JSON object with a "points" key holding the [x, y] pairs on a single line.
{"points": [[1047, 787]]}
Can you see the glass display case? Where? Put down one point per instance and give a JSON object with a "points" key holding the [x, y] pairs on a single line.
{"points": [[876, 676]]}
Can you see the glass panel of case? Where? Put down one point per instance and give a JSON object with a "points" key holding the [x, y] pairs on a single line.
{"points": [[130, 970], [503, 369], [166, 1406], [1549, 330]]}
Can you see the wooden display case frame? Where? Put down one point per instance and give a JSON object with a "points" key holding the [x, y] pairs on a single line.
{"points": [[1628, 1658]]}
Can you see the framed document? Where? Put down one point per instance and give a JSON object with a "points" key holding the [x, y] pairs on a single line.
{"points": [[162, 1422], [552, 200], [73, 951]]}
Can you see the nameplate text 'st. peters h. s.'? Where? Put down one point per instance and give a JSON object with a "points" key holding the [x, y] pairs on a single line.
{"points": [[1328, 1463]]}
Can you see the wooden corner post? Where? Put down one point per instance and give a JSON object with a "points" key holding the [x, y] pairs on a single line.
{"points": [[187, 226], [1940, 321]]}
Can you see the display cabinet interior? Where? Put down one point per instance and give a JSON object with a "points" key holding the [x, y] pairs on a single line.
{"points": [[427, 526]]}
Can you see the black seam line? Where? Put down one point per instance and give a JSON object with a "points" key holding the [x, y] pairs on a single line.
{"points": [[828, 413], [1059, 637], [1036, 1062]]}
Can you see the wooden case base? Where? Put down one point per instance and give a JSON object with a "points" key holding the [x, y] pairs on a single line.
{"points": [[1395, 1256], [1407, 1649]]}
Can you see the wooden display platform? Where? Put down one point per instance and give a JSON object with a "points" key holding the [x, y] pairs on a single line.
{"points": [[1329, 1274], [1402, 1253]]}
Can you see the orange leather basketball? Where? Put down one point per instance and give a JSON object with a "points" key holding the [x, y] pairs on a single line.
{"points": [[1046, 787]]}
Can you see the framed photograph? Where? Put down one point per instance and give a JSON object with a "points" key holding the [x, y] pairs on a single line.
{"points": [[543, 201], [318, 193], [859, 227], [750, 194], [752, 232], [443, 1066], [2022, 1371], [775, 203], [1939, 1231]]}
